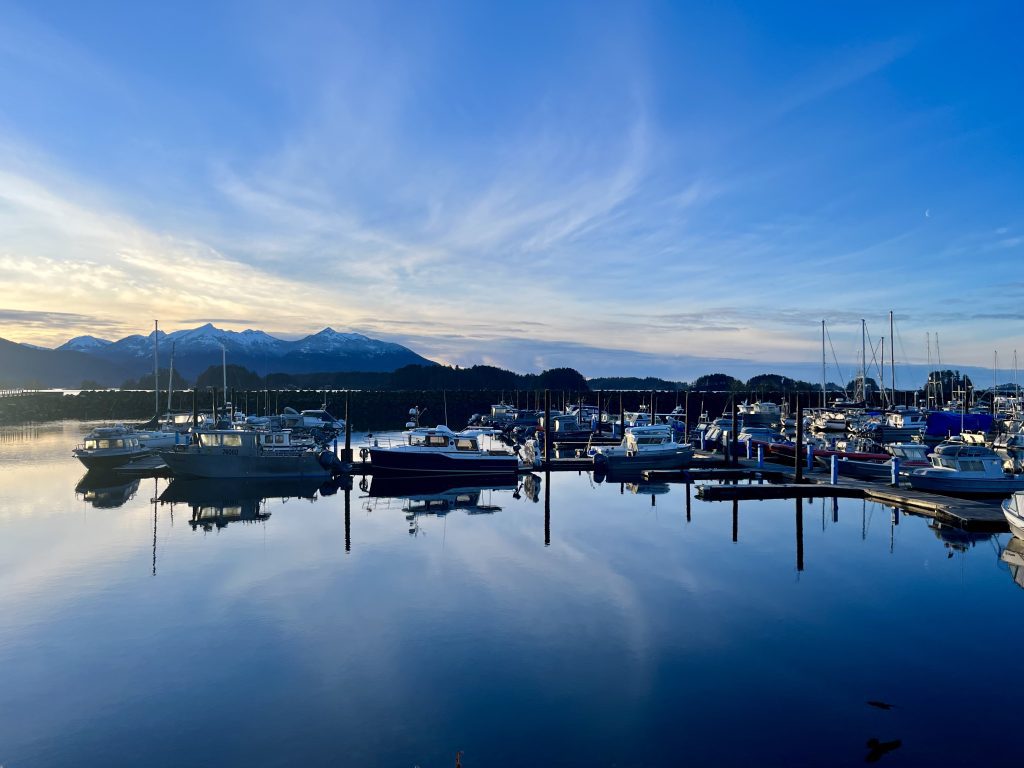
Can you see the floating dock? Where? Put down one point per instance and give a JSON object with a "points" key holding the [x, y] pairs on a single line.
{"points": [[968, 514]]}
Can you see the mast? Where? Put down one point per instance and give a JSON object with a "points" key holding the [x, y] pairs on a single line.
{"points": [[892, 358], [938, 358], [822, 363], [995, 376], [863, 361], [224, 369], [881, 373], [156, 365], [170, 379], [931, 384]]}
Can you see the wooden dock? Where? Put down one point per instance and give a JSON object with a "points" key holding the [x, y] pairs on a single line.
{"points": [[969, 514]]}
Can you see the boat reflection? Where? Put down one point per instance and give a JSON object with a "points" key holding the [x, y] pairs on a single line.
{"points": [[106, 490], [956, 539], [216, 503], [438, 496], [1013, 556]]}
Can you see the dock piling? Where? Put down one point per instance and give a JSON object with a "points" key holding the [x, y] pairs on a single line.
{"points": [[798, 469], [894, 472], [834, 476]]}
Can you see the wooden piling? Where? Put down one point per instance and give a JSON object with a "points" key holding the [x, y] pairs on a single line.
{"points": [[547, 425], [798, 456], [731, 447], [347, 453], [799, 534]]}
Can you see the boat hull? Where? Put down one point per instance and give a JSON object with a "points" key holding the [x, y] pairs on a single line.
{"points": [[965, 486], [102, 461], [205, 465], [621, 462], [384, 461], [1014, 516]]}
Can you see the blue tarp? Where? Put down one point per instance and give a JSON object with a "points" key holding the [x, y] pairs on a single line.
{"points": [[949, 423]]}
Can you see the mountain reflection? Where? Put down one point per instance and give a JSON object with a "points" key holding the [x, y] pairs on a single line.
{"points": [[106, 490]]}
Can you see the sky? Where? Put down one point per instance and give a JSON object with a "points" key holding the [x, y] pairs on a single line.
{"points": [[626, 188]]}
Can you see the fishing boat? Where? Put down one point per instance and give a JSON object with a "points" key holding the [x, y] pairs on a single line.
{"points": [[645, 447], [233, 453], [109, 447], [759, 414], [312, 419], [966, 470], [1013, 510], [439, 450], [566, 429]]}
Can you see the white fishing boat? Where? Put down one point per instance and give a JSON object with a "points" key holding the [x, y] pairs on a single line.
{"points": [[312, 419], [440, 451], [647, 447], [759, 414], [109, 447], [1013, 510], [966, 470]]}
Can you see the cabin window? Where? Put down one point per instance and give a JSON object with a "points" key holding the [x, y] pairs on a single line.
{"points": [[279, 439], [437, 441], [417, 440], [971, 465], [232, 441], [465, 444], [90, 445], [102, 443], [948, 463], [207, 440]]}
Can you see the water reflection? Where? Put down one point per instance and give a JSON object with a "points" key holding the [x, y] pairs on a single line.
{"points": [[438, 496], [1013, 556], [957, 539], [632, 639], [216, 503], [105, 489]]}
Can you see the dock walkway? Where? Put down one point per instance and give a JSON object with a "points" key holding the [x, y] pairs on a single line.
{"points": [[969, 514]]}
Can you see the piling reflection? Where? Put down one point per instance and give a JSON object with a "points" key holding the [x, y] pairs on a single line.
{"points": [[106, 490]]}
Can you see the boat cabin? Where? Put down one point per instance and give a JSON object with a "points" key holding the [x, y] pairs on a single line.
{"points": [[961, 457], [442, 438], [103, 443]]}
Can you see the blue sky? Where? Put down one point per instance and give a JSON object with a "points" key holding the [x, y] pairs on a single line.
{"points": [[664, 188]]}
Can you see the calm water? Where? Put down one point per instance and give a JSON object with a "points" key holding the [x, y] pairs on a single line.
{"points": [[616, 633]]}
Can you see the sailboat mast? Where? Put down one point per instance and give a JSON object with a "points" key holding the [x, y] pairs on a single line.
{"points": [[881, 373], [156, 367], [995, 376], [224, 369], [892, 358], [863, 360], [822, 363], [170, 379], [931, 387]]}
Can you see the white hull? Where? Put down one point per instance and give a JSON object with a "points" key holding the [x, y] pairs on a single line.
{"points": [[1014, 514]]}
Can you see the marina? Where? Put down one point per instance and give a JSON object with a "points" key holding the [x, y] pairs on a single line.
{"points": [[571, 600]]}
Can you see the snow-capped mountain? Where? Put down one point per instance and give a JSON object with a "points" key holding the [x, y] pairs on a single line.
{"points": [[84, 344], [196, 349]]}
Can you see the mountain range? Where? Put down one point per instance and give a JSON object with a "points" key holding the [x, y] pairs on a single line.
{"points": [[109, 363]]}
